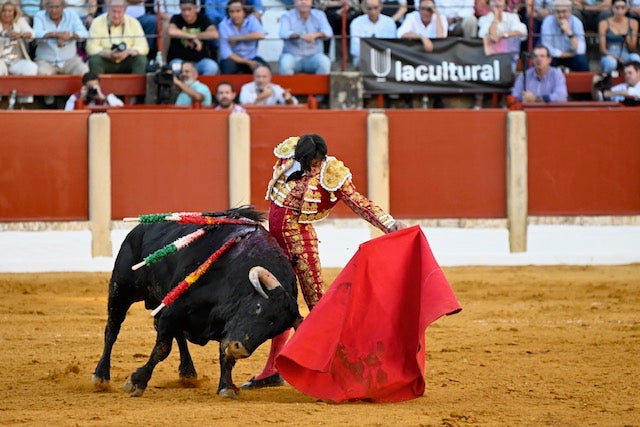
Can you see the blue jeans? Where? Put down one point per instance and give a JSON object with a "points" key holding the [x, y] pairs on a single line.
{"points": [[610, 63], [205, 67], [314, 64]]}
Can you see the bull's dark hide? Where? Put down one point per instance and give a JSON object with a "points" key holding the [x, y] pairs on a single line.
{"points": [[221, 306]]}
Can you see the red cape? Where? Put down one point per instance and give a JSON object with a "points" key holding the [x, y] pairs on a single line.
{"points": [[366, 337]]}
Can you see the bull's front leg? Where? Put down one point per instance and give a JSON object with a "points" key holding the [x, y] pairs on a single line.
{"points": [[188, 374], [137, 382], [226, 387]]}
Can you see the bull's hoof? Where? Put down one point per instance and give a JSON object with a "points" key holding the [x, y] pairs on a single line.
{"points": [[189, 382], [100, 384], [229, 393], [274, 380], [133, 389]]}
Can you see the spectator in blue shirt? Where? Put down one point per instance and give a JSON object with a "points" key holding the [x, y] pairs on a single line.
{"points": [[191, 90], [239, 36], [542, 82], [57, 31], [563, 34], [216, 10], [303, 30]]}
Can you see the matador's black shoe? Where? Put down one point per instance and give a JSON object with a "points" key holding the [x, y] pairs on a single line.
{"points": [[274, 380]]}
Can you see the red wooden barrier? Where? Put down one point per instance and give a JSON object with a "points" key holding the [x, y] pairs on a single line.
{"points": [[447, 164], [586, 163], [44, 166]]}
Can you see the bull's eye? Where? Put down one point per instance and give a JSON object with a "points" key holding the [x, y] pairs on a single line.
{"points": [[258, 309]]}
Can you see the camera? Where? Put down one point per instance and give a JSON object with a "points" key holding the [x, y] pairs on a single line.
{"points": [[120, 47], [164, 83], [92, 94]]}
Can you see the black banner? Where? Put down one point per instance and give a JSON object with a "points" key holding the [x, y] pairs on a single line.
{"points": [[455, 66]]}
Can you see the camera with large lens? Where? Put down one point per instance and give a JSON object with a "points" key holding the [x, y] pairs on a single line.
{"points": [[92, 94], [120, 47], [164, 81]]}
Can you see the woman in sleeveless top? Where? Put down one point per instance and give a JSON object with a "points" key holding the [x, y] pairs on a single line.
{"points": [[618, 38]]}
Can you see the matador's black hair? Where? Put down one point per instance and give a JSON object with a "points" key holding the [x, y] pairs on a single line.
{"points": [[311, 146]]}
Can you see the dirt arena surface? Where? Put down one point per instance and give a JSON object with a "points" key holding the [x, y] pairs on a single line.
{"points": [[533, 346]]}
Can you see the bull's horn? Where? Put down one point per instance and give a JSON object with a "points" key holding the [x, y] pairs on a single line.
{"points": [[259, 275]]}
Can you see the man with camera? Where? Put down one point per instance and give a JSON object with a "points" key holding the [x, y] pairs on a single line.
{"points": [[91, 94], [191, 90], [628, 92], [117, 43]]}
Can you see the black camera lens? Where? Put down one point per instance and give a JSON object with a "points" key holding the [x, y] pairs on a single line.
{"points": [[120, 47]]}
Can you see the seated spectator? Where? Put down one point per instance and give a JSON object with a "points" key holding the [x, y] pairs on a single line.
{"points": [[618, 35], [371, 24], [191, 90], [216, 10], [226, 98], [190, 32], [14, 36], [91, 94], [425, 24], [116, 43], [460, 16], [496, 25], [239, 36], [58, 31], [262, 92], [591, 12], [499, 24], [396, 9], [303, 29], [563, 34], [542, 82], [630, 89]]}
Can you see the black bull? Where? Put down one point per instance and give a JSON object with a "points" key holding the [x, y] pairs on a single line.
{"points": [[222, 305]]}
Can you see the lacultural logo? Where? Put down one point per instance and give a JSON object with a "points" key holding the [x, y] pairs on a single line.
{"points": [[446, 71]]}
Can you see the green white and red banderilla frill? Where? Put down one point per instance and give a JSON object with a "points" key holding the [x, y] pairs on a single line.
{"points": [[194, 276], [175, 246], [202, 218]]}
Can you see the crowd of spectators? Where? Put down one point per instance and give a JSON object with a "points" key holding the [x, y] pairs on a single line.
{"points": [[208, 37]]}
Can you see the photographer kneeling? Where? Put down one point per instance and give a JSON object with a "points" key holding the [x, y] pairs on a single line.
{"points": [[191, 90], [91, 94]]}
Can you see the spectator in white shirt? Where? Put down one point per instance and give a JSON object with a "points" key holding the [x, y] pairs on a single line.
{"points": [[261, 91], [372, 24], [630, 89], [57, 31], [425, 24]]}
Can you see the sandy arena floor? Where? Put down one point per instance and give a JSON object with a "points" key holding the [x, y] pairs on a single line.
{"points": [[533, 346]]}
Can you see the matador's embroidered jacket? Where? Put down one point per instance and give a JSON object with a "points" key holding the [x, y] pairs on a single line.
{"points": [[314, 196]]}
